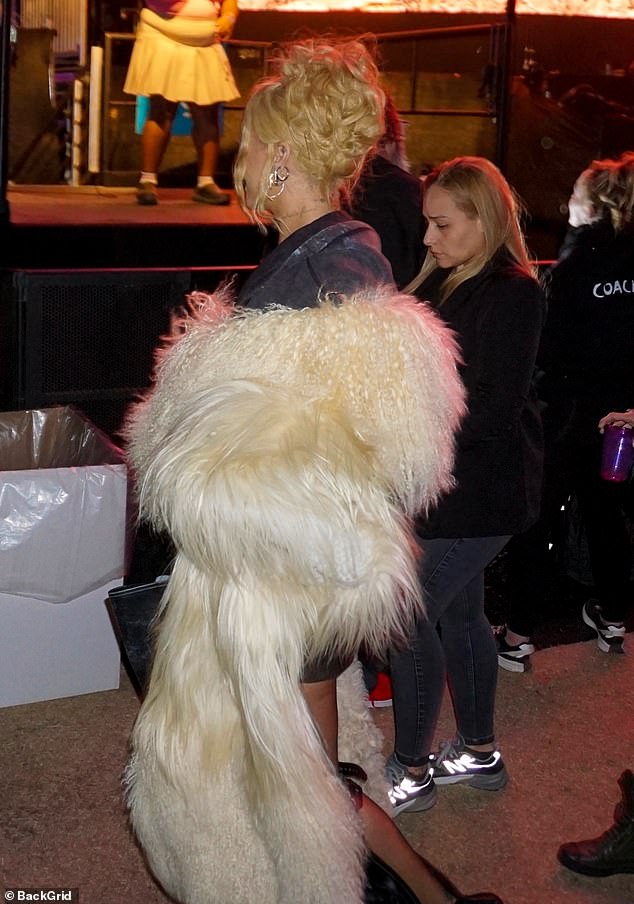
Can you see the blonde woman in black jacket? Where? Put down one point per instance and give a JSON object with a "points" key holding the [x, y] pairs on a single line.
{"points": [[478, 276]]}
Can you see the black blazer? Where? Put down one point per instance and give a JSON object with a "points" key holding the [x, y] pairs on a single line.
{"points": [[498, 316]]}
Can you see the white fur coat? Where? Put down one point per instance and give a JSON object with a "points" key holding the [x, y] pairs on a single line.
{"points": [[283, 451]]}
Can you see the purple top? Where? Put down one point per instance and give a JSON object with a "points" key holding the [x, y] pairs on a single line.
{"points": [[195, 9]]}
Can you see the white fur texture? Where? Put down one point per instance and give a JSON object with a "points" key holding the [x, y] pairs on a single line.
{"points": [[280, 449], [386, 360], [360, 739]]}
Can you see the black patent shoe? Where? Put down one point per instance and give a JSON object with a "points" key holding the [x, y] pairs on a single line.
{"points": [[384, 886], [483, 897]]}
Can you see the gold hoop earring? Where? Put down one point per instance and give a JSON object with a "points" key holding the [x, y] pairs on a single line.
{"points": [[277, 179]]}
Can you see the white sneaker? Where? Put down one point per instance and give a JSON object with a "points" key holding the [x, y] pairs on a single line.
{"points": [[609, 637]]}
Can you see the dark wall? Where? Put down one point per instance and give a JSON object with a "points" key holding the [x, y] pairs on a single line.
{"points": [[547, 145]]}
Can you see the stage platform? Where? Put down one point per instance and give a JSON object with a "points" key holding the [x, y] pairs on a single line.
{"points": [[67, 227], [89, 282]]}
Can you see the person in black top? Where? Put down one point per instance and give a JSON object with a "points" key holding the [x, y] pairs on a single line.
{"points": [[390, 198], [587, 364]]}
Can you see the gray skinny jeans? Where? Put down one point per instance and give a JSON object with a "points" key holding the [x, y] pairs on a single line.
{"points": [[455, 640]]}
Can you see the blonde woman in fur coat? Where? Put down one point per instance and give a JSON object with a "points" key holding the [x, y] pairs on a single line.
{"points": [[283, 448]]}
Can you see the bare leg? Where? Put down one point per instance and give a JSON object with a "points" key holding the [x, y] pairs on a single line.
{"points": [[205, 134], [385, 840], [156, 133], [153, 145], [382, 836], [321, 699]]}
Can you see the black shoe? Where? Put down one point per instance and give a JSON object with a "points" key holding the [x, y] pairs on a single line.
{"points": [[384, 886], [512, 658], [210, 194], [612, 852], [484, 897], [147, 194], [455, 762], [609, 637]]}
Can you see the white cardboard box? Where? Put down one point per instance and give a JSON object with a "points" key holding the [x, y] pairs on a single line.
{"points": [[63, 497], [52, 650]]}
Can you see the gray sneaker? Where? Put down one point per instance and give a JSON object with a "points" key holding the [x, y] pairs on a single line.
{"points": [[455, 762], [410, 792]]}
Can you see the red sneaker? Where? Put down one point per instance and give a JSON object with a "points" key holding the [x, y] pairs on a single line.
{"points": [[382, 693]]}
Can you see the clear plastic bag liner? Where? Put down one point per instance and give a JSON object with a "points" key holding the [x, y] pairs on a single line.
{"points": [[63, 489]]}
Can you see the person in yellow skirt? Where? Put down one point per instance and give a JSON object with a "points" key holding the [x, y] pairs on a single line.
{"points": [[178, 57]]}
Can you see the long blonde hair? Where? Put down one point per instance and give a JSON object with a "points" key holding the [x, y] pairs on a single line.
{"points": [[479, 189], [326, 104]]}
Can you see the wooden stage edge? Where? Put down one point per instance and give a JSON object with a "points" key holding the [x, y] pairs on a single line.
{"points": [[63, 226], [66, 205]]}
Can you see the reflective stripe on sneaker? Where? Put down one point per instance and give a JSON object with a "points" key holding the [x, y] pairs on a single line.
{"points": [[412, 794], [409, 792], [609, 637], [454, 763]]}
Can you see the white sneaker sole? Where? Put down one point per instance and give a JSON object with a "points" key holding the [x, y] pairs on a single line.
{"points": [[514, 665], [417, 805], [602, 644]]}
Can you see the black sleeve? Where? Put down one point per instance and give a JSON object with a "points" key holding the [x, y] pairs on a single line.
{"points": [[503, 368]]}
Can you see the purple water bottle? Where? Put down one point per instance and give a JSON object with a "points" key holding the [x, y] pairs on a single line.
{"points": [[617, 455]]}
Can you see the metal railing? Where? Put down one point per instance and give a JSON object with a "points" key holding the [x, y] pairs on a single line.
{"points": [[252, 59], [495, 77]]}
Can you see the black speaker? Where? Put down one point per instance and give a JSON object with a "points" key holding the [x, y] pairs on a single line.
{"points": [[36, 146], [84, 338]]}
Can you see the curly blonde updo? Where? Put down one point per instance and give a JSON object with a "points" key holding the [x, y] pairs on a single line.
{"points": [[326, 104]]}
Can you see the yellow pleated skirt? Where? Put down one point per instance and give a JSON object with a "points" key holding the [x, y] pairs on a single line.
{"points": [[186, 64]]}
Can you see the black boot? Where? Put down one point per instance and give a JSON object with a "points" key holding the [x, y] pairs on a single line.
{"points": [[612, 852]]}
